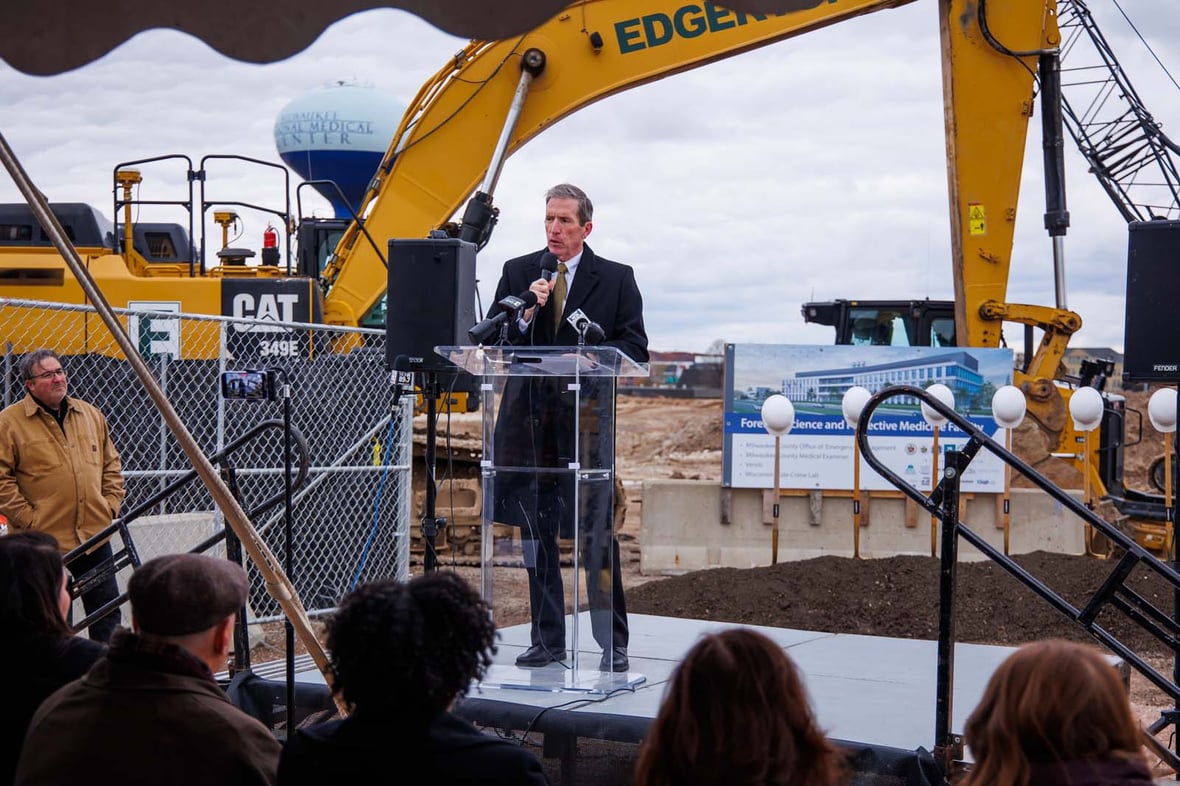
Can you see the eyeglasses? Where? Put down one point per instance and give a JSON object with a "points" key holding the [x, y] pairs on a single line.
{"points": [[59, 372]]}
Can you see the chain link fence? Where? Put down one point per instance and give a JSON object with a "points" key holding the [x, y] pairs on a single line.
{"points": [[349, 520]]}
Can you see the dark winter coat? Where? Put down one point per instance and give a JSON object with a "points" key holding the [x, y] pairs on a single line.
{"points": [[447, 751], [46, 662], [144, 715]]}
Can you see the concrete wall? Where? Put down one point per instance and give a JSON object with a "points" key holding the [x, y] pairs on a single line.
{"points": [[688, 525]]}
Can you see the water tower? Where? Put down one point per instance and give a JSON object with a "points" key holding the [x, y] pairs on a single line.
{"points": [[339, 133]]}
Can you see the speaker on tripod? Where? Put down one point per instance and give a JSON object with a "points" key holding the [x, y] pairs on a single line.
{"points": [[431, 300], [1152, 333]]}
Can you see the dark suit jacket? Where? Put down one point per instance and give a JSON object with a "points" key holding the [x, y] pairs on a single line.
{"points": [[605, 291], [532, 428]]}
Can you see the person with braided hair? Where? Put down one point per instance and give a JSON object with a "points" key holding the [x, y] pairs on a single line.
{"points": [[401, 654]]}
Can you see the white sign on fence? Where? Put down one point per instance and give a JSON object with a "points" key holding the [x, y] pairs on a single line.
{"points": [[155, 336]]}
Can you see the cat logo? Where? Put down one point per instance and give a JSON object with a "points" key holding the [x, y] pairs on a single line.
{"points": [[274, 307]]}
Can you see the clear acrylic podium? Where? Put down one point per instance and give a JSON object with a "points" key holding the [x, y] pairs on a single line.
{"points": [[548, 482]]}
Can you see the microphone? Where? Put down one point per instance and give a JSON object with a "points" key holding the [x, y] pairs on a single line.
{"points": [[402, 378], [512, 305], [589, 331], [517, 304], [595, 335], [548, 265]]}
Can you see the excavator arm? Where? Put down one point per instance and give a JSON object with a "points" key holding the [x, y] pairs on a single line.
{"points": [[591, 51], [598, 48], [1046, 404], [1001, 53], [456, 126], [992, 53]]}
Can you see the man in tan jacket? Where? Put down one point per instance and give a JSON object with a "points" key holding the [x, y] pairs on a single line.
{"points": [[60, 473]]}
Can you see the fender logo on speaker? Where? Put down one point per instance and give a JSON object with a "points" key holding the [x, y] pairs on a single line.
{"points": [[1164, 367]]}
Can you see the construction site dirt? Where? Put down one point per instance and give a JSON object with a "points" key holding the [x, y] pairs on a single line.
{"points": [[895, 596]]}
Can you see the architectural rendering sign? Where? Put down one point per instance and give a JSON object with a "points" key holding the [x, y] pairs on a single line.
{"points": [[818, 451]]}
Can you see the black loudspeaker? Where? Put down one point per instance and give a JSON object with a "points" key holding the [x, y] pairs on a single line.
{"points": [[1152, 334], [431, 300]]}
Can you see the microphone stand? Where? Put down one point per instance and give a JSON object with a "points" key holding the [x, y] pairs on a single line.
{"points": [[288, 539], [504, 332], [430, 392], [512, 315]]}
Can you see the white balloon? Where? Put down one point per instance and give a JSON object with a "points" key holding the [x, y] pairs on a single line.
{"points": [[1085, 407], [778, 414], [1009, 406], [854, 402], [1161, 410], [945, 396]]}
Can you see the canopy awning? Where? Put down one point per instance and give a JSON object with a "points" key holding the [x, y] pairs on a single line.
{"points": [[55, 36]]}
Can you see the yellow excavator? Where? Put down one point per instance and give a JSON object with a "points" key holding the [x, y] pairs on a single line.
{"points": [[492, 97]]}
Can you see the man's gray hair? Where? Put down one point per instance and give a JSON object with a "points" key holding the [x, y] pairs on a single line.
{"points": [[569, 191], [30, 361]]}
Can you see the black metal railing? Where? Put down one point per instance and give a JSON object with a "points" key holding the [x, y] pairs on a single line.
{"points": [[128, 556], [1113, 594]]}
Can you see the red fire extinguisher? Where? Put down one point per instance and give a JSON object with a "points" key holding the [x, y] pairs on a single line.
{"points": [[270, 246]]}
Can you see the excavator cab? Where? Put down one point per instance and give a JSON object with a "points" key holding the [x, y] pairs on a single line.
{"points": [[886, 323], [315, 239]]}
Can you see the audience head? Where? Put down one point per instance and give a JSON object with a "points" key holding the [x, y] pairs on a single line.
{"points": [[409, 648], [35, 596], [736, 711], [190, 600], [1050, 701]]}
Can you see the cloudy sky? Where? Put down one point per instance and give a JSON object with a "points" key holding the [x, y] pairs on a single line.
{"points": [[811, 169]]}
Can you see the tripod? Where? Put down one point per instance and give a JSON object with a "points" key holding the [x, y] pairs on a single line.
{"points": [[430, 523]]}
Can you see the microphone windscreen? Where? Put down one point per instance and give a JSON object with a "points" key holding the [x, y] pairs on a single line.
{"points": [[548, 263]]}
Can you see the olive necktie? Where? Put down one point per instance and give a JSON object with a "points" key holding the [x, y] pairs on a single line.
{"points": [[559, 295]]}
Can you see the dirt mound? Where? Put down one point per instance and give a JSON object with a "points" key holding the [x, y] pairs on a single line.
{"points": [[899, 597]]}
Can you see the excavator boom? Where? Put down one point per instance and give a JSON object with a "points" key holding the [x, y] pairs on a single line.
{"points": [[991, 52], [591, 51], [599, 48]]}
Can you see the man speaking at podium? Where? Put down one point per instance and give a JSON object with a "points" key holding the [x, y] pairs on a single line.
{"points": [[581, 298]]}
